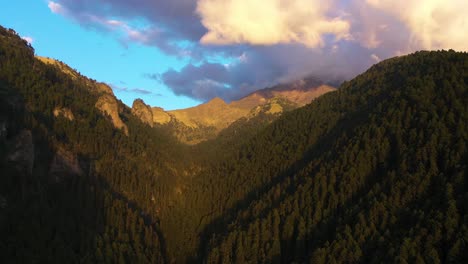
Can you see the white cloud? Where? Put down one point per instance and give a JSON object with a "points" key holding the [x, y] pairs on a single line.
{"points": [[433, 24], [269, 22], [375, 58], [56, 7], [28, 39]]}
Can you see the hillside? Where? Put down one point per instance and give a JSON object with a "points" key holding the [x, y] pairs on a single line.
{"points": [[374, 172], [72, 172]]}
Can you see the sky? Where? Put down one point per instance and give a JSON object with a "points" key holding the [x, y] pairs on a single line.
{"points": [[180, 53]]}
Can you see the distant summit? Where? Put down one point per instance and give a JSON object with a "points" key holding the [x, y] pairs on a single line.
{"points": [[205, 121]]}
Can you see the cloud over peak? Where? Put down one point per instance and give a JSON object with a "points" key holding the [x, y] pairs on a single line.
{"points": [[28, 39]]}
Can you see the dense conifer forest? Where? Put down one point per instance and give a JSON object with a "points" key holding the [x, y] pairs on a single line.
{"points": [[375, 172]]}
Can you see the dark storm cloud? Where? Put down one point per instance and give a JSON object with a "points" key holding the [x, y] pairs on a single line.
{"points": [[200, 82], [261, 67]]}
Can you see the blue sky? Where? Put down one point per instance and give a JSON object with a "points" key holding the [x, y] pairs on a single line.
{"points": [[96, 54], [179, 53]]}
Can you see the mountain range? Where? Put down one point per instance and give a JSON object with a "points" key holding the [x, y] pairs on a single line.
{"points": [[374, 171], [205, 121]]}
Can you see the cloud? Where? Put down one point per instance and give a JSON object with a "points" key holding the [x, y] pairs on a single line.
{"points": [[200, 82], [434, 24], [30, 40], [130, 90], [260, 67], [375, 58], [56, 7], [271, 22], [163, 24], [140, 91], [266, 42]]}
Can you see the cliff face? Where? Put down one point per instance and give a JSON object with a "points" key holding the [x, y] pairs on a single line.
{"points": [[143, 112], [160, 116], [21, 152], [64, 163], [107, 104]]}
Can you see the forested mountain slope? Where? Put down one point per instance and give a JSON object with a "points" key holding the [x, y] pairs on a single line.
{"points": [[74, 187], [373, 172]]}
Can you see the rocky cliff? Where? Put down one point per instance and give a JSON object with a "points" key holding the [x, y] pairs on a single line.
{"points": [[143, 112], [108, 105], [107, 102]]}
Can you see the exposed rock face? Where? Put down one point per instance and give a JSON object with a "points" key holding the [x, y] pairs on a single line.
{"points": [[21, 152], [108, 105], [65, 112], [102, 88], [160, 116], [64, 163], [143, 112], [62, 66]]}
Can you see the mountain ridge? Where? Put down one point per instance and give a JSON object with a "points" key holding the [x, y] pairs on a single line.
{"points": [[216, 115], [205, 121]]}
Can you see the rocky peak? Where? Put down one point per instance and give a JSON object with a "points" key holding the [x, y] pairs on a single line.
{"points": [[216, 102], [102, 88], [142, 111], [108, 105], [160, 116]]}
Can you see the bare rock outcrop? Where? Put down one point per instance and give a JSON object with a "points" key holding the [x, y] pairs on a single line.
{"points": [[64, 163], [108, 105], [102, 88], [160, 116], [21, 152], [65, 112], [143, 112]]}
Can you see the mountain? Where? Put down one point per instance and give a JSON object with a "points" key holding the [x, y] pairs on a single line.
{"points": [[205, 121], [61, 199], [373, 172]]}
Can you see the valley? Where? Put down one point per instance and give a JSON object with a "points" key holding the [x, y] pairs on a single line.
{"points": [[373, 171]]}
